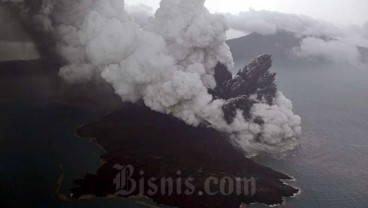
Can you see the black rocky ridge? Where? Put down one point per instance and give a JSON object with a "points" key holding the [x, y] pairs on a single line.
{"points": [[253, 79]]}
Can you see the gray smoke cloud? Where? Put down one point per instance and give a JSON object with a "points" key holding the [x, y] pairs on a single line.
{"points": [[270, 22], [15, 43], [18, 50], [343, 49], [365, 30], [321, 40], [335, 51], [141, 14], [167, 61]]}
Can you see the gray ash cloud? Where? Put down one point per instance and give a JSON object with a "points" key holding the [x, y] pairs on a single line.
{"points": [[168, 62]]}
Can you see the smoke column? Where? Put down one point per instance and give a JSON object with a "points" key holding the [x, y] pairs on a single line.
{"points": [[168, 63]]}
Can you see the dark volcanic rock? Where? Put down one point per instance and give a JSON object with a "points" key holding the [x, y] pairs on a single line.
{"points": [[160, 145], [242, 103], [253, 79]]}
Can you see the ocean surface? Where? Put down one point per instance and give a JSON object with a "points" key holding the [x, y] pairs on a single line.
{"points": [[331, 163], [37, 138]]}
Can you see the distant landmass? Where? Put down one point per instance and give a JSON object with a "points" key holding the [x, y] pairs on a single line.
{"points": [[279, 45]]}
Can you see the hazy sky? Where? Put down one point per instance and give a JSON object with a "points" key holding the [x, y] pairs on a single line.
{"points": [[338, 11]]}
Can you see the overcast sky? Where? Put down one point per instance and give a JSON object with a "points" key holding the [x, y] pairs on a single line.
{"points": [[343, 12], [337, 11]]}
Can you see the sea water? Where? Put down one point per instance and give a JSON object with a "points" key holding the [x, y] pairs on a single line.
{"points": [[331, 163]]}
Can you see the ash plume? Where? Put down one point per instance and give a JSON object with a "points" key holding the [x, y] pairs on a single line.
{"points": [[173, 62]]}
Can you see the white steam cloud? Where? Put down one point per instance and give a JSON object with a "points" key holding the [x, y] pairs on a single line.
{"points": [[167, 61], [270, 22], [334, 51], [341, 48], [141, 14]]}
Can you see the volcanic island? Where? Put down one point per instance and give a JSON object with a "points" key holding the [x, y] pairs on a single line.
{"points": [[158, 145]]}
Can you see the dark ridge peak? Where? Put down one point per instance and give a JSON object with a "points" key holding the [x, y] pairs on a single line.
{"points": [[258, 66], [253, 79]]}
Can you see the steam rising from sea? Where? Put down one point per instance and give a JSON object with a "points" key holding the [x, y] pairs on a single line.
{"points": [[167, 61]]}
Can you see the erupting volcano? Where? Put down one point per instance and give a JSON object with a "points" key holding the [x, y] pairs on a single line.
{"points": [[172, 73]]}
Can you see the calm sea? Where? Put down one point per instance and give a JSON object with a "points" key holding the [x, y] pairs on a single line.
{"points": [[331, 163]]}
